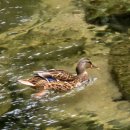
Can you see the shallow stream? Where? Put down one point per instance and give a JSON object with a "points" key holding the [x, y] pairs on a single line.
{"points": [[96, 106]]}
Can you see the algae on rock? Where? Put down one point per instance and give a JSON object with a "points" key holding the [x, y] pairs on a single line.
{"points": [[120, 65], [115, 14], [103, 8]]}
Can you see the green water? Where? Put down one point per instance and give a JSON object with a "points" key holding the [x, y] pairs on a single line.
{"points": [[13, 13], [54, 35]]}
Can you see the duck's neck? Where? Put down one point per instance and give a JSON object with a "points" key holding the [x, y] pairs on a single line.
{"points": [[83, 75], [80, 71]]}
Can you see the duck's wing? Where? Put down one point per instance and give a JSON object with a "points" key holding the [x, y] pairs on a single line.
{"points": [[56, 75], [26, 82], [34, 82]]}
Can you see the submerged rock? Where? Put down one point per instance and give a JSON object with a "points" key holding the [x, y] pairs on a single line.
{"points": [[120, 66], [107, 12], [97, 8]]}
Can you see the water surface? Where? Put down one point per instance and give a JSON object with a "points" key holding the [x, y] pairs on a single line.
{"points": [[95, 106], [13, 13]]}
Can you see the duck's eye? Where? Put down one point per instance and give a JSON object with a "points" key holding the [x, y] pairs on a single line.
{"points": [[90, 62]]}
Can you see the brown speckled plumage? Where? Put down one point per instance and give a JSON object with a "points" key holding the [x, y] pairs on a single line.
{"points": [[57, 74], [59, 80]]}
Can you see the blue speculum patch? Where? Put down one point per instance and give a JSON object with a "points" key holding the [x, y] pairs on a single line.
{"points": [[50, 79]]}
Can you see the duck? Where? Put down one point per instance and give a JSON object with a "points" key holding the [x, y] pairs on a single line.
{"points": [[59, 80]]}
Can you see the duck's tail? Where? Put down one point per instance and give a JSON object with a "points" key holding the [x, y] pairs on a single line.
{"points": [[25, 82]]}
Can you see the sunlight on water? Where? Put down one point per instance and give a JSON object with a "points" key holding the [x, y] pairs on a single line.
{"points": [[94, 105]]}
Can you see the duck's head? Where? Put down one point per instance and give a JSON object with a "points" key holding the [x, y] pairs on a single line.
{"points": [[84, 64]]}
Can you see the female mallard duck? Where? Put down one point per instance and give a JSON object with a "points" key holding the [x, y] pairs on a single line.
{"points": [[59, 80]]}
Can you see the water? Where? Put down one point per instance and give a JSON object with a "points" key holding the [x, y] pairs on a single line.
{"points": [[55, 44], [13, 13]]}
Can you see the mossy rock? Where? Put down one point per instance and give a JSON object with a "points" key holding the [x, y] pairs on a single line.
{"points": [[105, 12], [102, 8], [120, 66]]}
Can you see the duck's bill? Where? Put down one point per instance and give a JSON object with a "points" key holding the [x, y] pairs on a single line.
{"points": [[94, 66]]}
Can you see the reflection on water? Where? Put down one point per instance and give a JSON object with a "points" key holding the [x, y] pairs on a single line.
{"points": [[15, 12]]}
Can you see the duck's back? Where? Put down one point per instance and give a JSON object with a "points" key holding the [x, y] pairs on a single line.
{"points": [[56, 74]]}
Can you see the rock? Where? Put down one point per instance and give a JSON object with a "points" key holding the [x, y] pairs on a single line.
{"points": [[97, 8], [120, 66], [107, 12]]}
